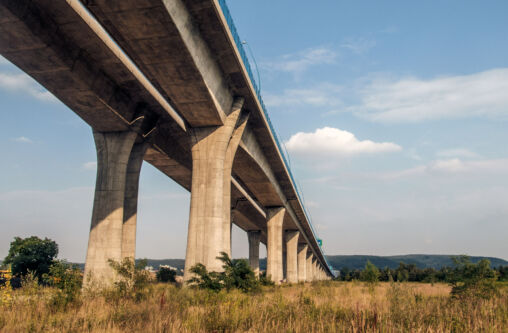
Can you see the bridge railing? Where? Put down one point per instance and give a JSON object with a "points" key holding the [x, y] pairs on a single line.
{"points": [[245, 59]]}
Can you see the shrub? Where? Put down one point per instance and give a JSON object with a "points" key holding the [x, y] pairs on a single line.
{"points": [[67, 278], [204, 279], [472, 280], [166, 274], [265, 280], [133, 278], [237, 274]]}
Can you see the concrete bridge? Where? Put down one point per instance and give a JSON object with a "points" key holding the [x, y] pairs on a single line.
{"points": [[167, 82]]}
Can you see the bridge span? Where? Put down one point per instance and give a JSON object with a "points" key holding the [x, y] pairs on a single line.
{"points": [[168, 82]]}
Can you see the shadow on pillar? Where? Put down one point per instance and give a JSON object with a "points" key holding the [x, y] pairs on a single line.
{"points": [[113, 226]]}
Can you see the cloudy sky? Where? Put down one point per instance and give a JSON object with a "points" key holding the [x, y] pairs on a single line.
{"points": [[394, 115]]}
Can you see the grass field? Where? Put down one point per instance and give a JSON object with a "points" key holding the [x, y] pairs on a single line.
{"points": [[317, 307]]}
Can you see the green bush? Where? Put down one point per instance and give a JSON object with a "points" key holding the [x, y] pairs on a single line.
{"points": [[237, 274], [67, 278], [133, 279], [166, 274], [472, 280]]}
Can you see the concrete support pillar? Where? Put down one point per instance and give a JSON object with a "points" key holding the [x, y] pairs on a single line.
{"points": [[209, 219], [314, 269], [274, 262], [131, 200], [254, 237], [236, 137], [302, 262], [308, 268], [292, 256], [106, 232]]}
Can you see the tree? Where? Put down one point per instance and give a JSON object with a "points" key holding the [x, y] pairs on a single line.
{"points": [[476, 280], [31, 254], [166, 274], [370, 273]]}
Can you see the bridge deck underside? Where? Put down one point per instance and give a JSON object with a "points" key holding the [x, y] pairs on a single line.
{"points": [[51, 43]]}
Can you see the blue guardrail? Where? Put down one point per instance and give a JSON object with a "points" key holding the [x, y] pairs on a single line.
{"points": [[245, 59]]}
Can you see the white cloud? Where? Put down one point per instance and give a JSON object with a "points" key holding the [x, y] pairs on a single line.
{"points": [[358, 45], [22, 83], [323, 95], [90, 165], [457, 152], [330, 140], [301, 61], [23, 139], [416, 100], [451, 167]]}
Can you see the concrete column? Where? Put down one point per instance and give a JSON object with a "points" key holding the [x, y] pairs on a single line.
{"points": [[236, 137], [106, 232], [308, 268], [254, 237], [275, 219], [131, 200], [302, 262], [207, 234], [292, 256], [314, 269]]}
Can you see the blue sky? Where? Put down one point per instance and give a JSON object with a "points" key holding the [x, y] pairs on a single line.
{"points": [[394, 115]]}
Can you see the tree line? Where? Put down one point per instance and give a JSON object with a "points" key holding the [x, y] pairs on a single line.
{"points": [[412, 273]]}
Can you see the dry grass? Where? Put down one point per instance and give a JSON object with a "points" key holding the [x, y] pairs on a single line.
{"points": [[317, 307]]}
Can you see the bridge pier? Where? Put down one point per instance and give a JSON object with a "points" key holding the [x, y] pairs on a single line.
{"points": [[292, 256], [314, 269], [213, 150], [274, 261], [302, 262], [308, 267], [115, 203], [131, 200], [254, 237]]}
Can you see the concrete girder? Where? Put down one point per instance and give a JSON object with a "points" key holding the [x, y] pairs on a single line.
{"points": [[163, 40]]}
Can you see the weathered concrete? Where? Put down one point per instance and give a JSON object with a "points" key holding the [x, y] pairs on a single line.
{"points": [[314, 269], [131, 200], [228, 167], [308, 268], [274, 262], [292, 237], [106, 232], [302, 262], [205, 239], [254, 238]]}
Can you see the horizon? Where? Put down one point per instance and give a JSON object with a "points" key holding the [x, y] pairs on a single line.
{"points": [[395, 125]]}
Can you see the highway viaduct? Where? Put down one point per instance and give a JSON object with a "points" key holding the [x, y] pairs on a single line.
{"points": [[168, 82]]}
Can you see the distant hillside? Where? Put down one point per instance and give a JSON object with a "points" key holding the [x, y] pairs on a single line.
{"points": [[358, 261], [420, 260]]}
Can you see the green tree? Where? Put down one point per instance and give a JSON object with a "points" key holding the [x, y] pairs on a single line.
{"points": [[31, 254], [370, 273], [476, 280], [166, 274]]}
